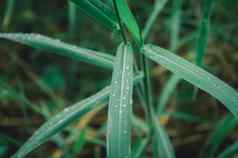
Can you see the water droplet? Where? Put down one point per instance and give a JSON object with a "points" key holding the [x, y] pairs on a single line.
{"points": [[215, 85], [67, 110]]}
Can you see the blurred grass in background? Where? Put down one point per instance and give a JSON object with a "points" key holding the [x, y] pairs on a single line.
{"points": [[35, 86]]}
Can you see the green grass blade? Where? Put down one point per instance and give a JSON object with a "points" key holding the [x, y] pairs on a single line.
{"points": [[158, 7], [120, 105], [162, 142], [175, 24], [98, 11], [203, 32], [166, 93], [222, 130], [61, 120], [61, 48], [195, 75], [129, 20], [64, 118], [230, 151], [139, 147], [203, 35], [8, 13], [73, 18]]}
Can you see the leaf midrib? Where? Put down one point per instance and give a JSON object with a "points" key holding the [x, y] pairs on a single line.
{"points": [[122, 90]]}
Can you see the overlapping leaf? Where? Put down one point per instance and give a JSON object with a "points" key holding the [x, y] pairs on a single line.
{"points": [[120, 105]]}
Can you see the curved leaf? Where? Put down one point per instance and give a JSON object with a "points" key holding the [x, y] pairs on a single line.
{"points": [[61, 48], [195, 75], [61, 120], [120, 105]]}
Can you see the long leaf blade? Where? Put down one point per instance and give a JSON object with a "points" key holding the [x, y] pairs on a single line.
{"points": [[61, 120], [98, 11], [61, 48], [120, 105], [129, 20], [195, 75]]}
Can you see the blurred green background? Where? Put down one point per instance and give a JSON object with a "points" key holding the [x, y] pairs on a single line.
{"points": [[35, 85]]}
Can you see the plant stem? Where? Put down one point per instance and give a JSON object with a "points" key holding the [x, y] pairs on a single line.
{"points": [[123, 34], [147, 84]]}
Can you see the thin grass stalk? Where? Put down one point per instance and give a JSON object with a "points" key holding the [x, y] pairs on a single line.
{"points": [[72, 16], [172, 82], [8, 13], [158, 7], [123, 34]]}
